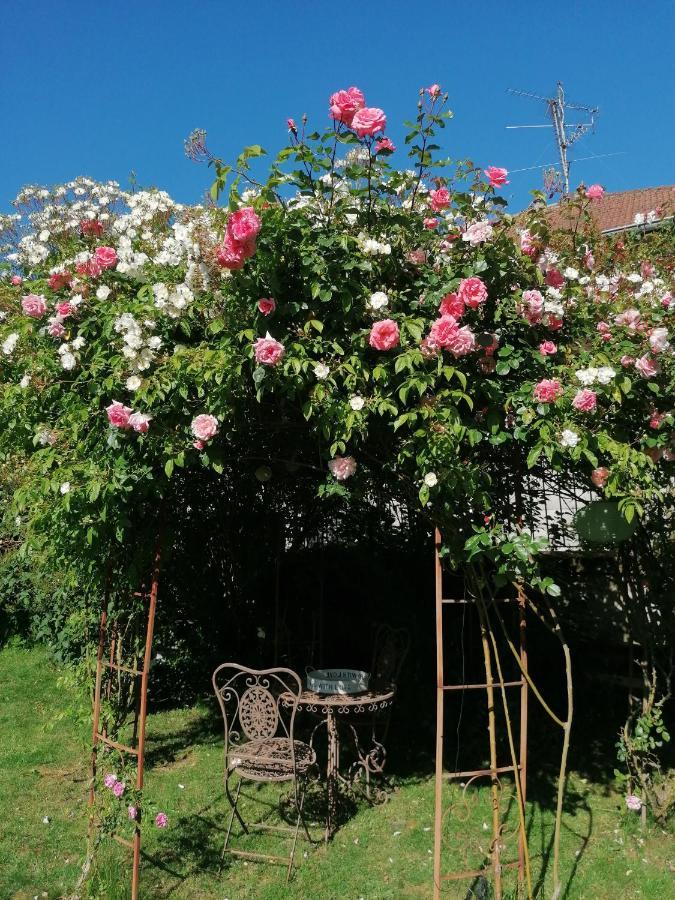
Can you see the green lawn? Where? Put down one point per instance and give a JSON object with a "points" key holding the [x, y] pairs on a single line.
{"points": [[381, 852]]}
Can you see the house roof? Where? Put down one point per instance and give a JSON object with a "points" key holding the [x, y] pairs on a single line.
{"points": [[617, 211]]}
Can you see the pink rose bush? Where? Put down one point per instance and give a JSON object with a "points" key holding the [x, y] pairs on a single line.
{"points": [[368, 121], [595, 192], [548, 390], [585, 400], [204, 427], [267, 305], [34, 306], [342, 467], [439, 199], [239, 242], [496, 176], [268, 351], [345, 104], [472, 292]]}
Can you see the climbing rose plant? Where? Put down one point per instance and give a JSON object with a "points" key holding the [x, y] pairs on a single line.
{"points": [[397, 320]]}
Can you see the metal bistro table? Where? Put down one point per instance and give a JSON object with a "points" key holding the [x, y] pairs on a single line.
{"points": [[347, 709]]}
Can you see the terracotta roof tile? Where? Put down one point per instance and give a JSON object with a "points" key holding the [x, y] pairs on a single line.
{"points": [[618, 210]]}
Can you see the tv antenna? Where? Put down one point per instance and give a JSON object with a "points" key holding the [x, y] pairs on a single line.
{"points": [[565, 134]]}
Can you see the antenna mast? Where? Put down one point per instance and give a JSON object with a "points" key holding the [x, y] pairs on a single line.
{"points": [[565, 135]]}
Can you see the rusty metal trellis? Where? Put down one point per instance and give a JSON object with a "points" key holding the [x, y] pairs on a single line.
{"points": [[495, 867], [99, 734]]}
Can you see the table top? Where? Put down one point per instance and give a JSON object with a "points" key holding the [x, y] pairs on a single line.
{"points": [[368, 701]]}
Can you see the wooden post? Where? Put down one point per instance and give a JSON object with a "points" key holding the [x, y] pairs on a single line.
{"points": [[438, 794], [522, 630]]}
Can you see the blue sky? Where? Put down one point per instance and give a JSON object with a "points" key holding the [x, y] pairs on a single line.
{"points": [[102, 89]]}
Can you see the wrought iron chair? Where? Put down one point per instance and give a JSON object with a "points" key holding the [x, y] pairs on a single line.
{"points": [[390, 649], [259, 708]]}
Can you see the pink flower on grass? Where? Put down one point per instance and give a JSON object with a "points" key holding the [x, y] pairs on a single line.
{"points": [[140, 422], [599, 476], [204, 427], [119, 414], [440, 199], [132, 812], [633, 802], [646, 366], [384, 335], [342, 467], [267, 305], [472, 291], [345, 104], [585, 400], [243, 225], [105, 257], [496, 176], [452, 305], [595, 192], [384, 145], [547, 390], [118, 788], [547, 348], [161, 820], [110, 780], [368, 121], [268, 351], [34, 305]]}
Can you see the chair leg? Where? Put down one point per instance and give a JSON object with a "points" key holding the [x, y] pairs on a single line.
{"points": [[300, 799], [233, 804]]}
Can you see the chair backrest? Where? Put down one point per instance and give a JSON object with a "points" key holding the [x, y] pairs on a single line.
{"points": [[256, 703], [390, 650]]}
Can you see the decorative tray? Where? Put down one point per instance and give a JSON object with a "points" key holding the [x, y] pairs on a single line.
{"points": [[337, 681]]}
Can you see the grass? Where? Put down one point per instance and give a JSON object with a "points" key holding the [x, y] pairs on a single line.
{"points": [[380, 853]]}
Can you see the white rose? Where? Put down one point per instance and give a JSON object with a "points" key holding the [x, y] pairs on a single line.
{"points": [[569, 438], [133, 383], [431, 479], [378, 300], [321, 371], [605, 374], [357, 403], [65, 487], [103, 292], [68, 361]]}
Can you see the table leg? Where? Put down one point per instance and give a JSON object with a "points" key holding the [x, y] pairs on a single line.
{"points": [[332, 772]]}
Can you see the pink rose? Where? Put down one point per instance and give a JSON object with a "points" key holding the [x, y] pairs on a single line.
{"points": [[496, 176], [34, 305], [534, 308], [656, 419], [291, 125], [118, 414], [91, 227], [198, 445], [585, 400], [658, 340], [547, 390], [161, 820], [599, 476], [428, 349], [441, 331], [204, 427], [666, 300], [553, 323], [384, 335], [554, 278], [461, 342], [472, 291], [57, 280], [65, 309], [595, 192], [92, 268], [243, 225], [105, 257], [626, 361], [132, 812], [646, 366], [527, 244], [118, 788], [140, 422], [268, 352], [16, 280], [477, 233], [267, 305], [434, 90], [344, 105], [231, 254], [384, 145], [368, 121], [430, 223], [547, 348], [647, 269], [451, 305], [55, 327], [602, 327], [629, 317], [417, 257], [440, 199], [342, 467], [589, 259], [110, 780], [633, 802]]}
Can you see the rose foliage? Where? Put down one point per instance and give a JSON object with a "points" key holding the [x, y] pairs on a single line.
{"points": [[367, 322]]}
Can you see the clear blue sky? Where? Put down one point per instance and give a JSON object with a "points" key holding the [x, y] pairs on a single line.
{"points": [[101, 89]]}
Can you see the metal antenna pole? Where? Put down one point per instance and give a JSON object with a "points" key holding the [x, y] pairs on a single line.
{"points": [[557, 109]]}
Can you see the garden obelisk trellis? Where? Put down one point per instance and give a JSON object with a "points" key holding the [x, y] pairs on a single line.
{"points": [[107, 654], [518, 768]]}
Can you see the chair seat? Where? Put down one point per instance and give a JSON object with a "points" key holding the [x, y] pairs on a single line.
{"points": [[270, 759]]}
